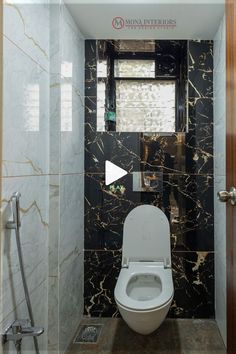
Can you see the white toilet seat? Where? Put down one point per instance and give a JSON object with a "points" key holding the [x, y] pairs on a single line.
{"points": [[151, 268]]}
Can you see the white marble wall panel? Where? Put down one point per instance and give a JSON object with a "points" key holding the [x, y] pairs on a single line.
{"points": [[71, 180], [37, 296], [27, 26], [53, 314], [26, 162], [220, 177], [54, 222], [26, 114], [54, 180], [43, 159], [72, 97], [71, 221], [71, 306], [34, 239], [55, 89]]}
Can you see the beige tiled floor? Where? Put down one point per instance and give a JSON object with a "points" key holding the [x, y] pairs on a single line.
{"points": [[184, 336]]}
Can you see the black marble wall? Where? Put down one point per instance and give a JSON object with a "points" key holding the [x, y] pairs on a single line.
{"points": [[186, 161]]}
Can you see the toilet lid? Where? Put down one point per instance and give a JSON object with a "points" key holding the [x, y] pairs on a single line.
{"points": [[146, 235]]}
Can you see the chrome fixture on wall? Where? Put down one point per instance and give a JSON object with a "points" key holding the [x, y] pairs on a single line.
{"points": [[21, 328], [15, 201]]}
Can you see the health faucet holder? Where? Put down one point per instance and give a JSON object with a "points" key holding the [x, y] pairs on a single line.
{"points": [[20, 329], [15, 200]]}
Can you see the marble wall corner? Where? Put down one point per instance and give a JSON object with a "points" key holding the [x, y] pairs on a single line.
{"points": [[70, 301], [71, 180], [71, 219], [72, 96]]}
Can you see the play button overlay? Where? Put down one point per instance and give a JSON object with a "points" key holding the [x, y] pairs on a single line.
{"points": [[113, 172]]}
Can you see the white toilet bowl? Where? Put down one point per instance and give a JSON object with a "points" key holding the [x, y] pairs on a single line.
{"points": [[144, 289]]}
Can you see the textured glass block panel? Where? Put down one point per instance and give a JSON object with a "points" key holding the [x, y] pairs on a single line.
{"points": [[145, 106], [101, 86], [134, 68], [136, 46], [102, 68]]}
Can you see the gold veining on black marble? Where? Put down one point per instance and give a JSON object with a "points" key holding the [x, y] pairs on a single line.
{"points": [[185, 161]]}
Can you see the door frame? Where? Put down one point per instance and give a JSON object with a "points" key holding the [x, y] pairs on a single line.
{"points": [[230, 11]]}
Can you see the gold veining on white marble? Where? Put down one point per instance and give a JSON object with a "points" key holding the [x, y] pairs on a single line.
{"points": [[35, 169], [36, 44], [35, 206], [46, 165]]}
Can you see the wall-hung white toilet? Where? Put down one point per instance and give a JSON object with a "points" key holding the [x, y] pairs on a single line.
{"points": [[144, 289]]}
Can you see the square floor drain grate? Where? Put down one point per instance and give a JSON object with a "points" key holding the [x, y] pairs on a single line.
{"points": [[88, 334]]}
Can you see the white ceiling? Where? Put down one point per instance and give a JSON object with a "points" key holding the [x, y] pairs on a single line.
{"points": [[197, 19]]}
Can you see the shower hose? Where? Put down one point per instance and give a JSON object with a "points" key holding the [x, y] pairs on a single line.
{"points": [[26, 291]]}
